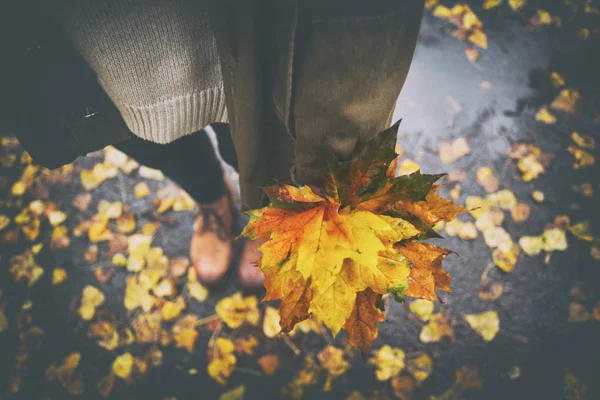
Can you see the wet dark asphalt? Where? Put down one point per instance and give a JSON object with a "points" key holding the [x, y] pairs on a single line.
{"points": [[533, 310]]}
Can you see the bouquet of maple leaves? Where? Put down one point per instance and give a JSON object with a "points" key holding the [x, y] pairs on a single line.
{"points": [[334, 255]]}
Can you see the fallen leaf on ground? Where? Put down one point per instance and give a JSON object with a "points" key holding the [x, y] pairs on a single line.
{"points": [[222, 360], [568, 100], [468, 377], [150, 173], [59, 275], [420, 367], [486, 324], [490, 290], [91, 179], [537, 196], [582, 230], [91, 298], [185, 333], [436, 329], [583, 159], [421, 308], [472, 54], [66, 374], [557, 79], [506, 258], [332, 359], [246, 345], [584, 141], [578, 313], [234, 394], [543, 115], [487, 179], [389, 362], [236, 309], [24, 267], [520, 212], [141, 190], [269, 364], [452, 151]]}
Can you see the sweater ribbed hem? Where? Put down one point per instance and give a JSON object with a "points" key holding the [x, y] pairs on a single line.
{"points": [[173, 118]]}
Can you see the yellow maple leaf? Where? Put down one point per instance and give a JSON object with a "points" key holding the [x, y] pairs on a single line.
{"points": [[333, 255]]}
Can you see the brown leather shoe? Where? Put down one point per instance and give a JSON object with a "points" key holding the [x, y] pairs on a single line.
{"points": [[250, 277], [211, 247]]}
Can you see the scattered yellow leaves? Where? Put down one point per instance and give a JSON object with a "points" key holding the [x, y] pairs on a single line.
{"points": [[553, 239]]}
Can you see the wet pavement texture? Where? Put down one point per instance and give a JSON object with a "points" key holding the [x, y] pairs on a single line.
{"points": [[443, 99]]}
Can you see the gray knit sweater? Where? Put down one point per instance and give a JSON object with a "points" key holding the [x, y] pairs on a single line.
{"points": [[157, 60]]}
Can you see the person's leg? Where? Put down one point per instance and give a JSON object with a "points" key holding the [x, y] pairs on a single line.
{"points": [[192, 163]]}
